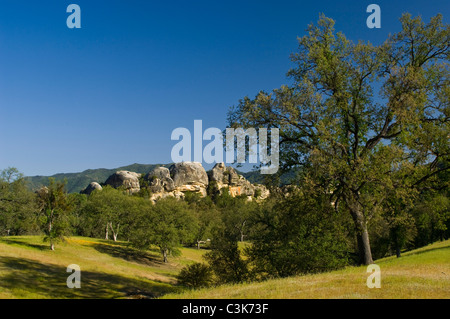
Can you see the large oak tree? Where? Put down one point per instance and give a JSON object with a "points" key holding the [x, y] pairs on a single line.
{"points": [[360, 115]]}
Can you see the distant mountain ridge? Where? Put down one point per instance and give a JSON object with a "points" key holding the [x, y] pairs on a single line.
{"points": [[76, 182]]}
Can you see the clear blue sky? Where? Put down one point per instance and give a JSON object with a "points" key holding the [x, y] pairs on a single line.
{"points": [[110, 94]]}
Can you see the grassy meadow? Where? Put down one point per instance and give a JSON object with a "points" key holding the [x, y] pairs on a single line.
{"points": [[28, 269], [423, 273]]}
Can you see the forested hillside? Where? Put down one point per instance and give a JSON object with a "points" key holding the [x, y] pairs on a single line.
{"points": [[78, 181]]}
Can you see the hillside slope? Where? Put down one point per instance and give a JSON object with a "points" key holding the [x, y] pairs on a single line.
{"points": [[28, 269], [422, 273], [78, 181]]}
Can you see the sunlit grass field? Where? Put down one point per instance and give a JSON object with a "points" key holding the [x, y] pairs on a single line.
{"points": [[423, 273], [28, 269]]}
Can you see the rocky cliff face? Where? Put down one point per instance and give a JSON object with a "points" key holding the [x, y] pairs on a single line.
{"points": [[160, 184], [189, 177], [177, 180], [227, 177], [159, 180], [185, 177]]}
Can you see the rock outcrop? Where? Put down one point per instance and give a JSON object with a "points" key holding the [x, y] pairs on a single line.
{"points": [[189, 177], [177, 180], [128, 180], [185, 177], [188, 173], [227, 177], [160, 184], [159, 180], [91, 187]]}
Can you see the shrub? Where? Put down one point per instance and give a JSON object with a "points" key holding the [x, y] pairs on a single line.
{"points": [[197, 275]]}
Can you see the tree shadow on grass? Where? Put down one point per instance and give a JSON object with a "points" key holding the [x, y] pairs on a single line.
{"points": [[18, 241], [129, 254], [30, 279]]}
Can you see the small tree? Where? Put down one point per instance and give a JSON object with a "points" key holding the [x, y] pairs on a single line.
{"points": [[225, 259], [197, 275], [207, 217], [167, 225], [54, 207], [236, 214], [111, 211]]}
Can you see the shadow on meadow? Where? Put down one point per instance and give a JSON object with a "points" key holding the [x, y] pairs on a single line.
{"points": [[23, 242], [129, 254], [33, 279]]}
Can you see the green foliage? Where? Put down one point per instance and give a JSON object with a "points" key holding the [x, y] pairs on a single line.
{"points": [[17, 205], [213, 190], [197, 275], [54, 205], [299, 235], [207, 217], [77, 201], [225, 259], [357, 114], [144, 190], [236, 215], [192, 197], [432, 219], [111, 211], [167, 225]]}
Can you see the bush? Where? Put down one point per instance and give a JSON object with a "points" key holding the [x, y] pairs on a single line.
{"points": [[225, 259], [297, 236], [197, 275]]}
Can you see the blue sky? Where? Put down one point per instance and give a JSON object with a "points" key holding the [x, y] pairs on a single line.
{"points": [[111, 93]]}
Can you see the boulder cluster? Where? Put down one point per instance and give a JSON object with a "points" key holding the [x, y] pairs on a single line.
{"points": [[184, 177], [226, 177]]}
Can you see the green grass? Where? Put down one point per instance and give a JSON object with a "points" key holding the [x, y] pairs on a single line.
{"points": [[422, 273], [28, 269]]}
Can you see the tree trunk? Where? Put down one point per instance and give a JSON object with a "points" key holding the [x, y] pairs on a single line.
{"points": [[115, 233], [106, 231], [365, 253], [165, 255], [397, 250], [241, 230], [362, 235], [52, 246], [396, 242]]}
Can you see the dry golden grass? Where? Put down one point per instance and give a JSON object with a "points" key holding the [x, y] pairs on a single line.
{"points": [[28, 269], [423, 273]]}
